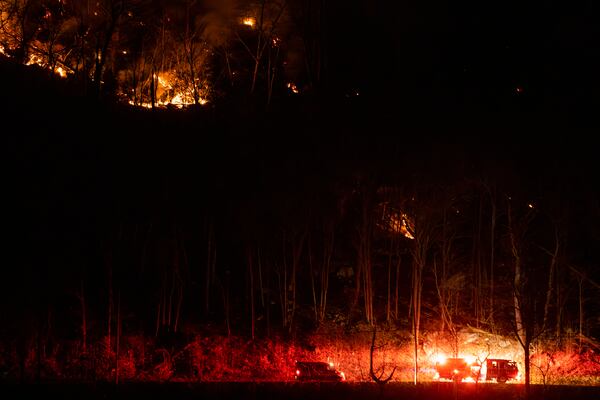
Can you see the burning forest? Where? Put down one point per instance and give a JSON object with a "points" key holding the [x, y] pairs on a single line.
{"points": [[156, 54]]}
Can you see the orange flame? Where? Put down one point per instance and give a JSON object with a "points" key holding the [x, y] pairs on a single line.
{"points": [[292, 86]]}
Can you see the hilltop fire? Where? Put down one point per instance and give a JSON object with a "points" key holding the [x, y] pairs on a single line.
{"points": [[169, 92]]}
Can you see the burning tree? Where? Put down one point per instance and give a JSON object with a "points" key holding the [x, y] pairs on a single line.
{"points": [[18, 26], [155, 54]]}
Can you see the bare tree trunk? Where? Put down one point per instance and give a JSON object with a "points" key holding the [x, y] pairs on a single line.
{"points": [[225, 296], [329, 246], [416, 317], [492, 248], [388, 306], [83, 318], [477, 271], [517, 284], [229, 72], [313, 39], [551, 273], [110, 301], [393, 252], [164, 299], [377, 379], [102, 46], [419, 253], [38, 346], [118, 337], [252, 311], [170, 306], [283, 290], [178, 310], [445, 313], [271, 74], [526, 352], [397, 292], [158, 316], [580, 281], [288, 295], [320, 301], [296, 252], [191, 53], [522, 333], [263, 39], [259, 45], [153, 87], [416, 322], [364, 260], [260, 279], [559, 310], [22, 54], [268, 299], [312, 280], [210, 260]]}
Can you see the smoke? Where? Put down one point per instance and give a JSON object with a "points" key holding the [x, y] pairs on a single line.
{"points": [[219, 19]]}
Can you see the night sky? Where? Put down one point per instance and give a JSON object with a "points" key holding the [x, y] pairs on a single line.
{"points": [[493, 55]]}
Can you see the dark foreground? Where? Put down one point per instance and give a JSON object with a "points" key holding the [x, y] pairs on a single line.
{"points": [[289, 391]]}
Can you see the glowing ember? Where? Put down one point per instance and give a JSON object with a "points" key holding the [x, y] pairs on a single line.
{"points": [[34, 59], [249, 21], [61, 72], [292, 86]]}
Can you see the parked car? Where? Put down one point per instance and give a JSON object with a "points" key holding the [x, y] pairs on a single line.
{"points": [[454, 369], [317, 371], [500, 370]]}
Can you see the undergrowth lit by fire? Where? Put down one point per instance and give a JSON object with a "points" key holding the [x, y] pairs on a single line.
{"points": [[150, 54], [217, 358]]}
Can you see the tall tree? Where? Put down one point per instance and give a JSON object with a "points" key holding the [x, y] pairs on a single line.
{"points": [[19, 25], [420, 250], [107, 15]]}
